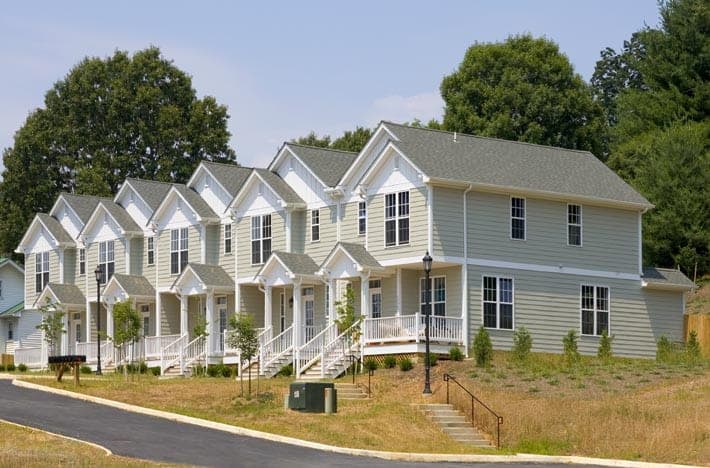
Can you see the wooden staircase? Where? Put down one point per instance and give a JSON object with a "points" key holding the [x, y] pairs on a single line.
{"points": [[454, 424]]}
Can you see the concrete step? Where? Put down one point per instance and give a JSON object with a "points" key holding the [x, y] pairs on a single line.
{"points": [[453, 423]]}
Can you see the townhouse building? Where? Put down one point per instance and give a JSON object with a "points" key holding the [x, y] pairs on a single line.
{"points": [[520, 235]]}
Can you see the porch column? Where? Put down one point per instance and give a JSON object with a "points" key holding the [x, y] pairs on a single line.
{"points": [[183, 314], [158, 311], [210, 322], [365, 294], [332, 285], [268, 310], [109, 319], [297, 311], [399, 291], [64, 346]]}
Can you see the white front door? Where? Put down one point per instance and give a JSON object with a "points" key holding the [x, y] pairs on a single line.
{"points": [[308, 308], [75, 329]]}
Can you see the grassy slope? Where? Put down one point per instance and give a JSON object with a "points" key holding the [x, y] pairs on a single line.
{"points": [[699, 301]]}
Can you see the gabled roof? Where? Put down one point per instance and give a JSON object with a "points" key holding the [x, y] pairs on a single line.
{"points": [[64, 294], [230, 176], [209, 275], [54, 228], [510, 165], [117, 213], [279, 186], [6, 261], [357, 253], [196, 203], [151, 191], [328, 164], [13, 311], [132, 285], [82, 205], [296, 263], [665, 278]]}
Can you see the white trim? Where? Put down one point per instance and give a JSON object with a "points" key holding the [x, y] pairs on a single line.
{"points": [[595, 310], [196, 172], [311, 224], [498, 301], [581, 224], [553, 269], [380, 159], [93, 219], [397, 219], [524, 218], [279, 157], [358, 160], [640, 243], [11, 262], [67, 204]]}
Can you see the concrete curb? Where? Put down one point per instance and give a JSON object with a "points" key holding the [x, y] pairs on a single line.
{"points": [[100, 447], [397, 456]]}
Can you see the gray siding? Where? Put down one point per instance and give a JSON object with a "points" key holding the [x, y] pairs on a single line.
{"points": [[298, 231], [165, 279], [214, 246], [349, 227], [278, 242], [328, 234], [548, 305], [137, 255], [30, 294], [251, 301], [448, 227], [610, 236], [226, 260], [418, 222], [169, 315], [70, 265]]}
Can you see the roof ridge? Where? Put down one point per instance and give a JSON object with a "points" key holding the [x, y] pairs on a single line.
{"points": [[469, 135], [81, 195], [324, 148], [152, 181], [237, 165]]}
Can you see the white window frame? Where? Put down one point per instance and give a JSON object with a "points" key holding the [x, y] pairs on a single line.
{"points": [[10, 330], [422, 280], [259, 229], [228, 239], [362, 218], [498, 301], [397, 217], [579, 225], [315, 225], [180, 245], [595, 310], [41, 270], [82, 261], [282, 311], [375, 287], [524, 218], [150, 250], [107, 256], [326, 295]]}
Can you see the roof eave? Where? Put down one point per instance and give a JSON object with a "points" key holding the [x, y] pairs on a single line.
{"points": [[666, 286]]}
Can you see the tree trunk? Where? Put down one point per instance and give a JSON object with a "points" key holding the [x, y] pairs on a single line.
{"points": [[249, 383]]}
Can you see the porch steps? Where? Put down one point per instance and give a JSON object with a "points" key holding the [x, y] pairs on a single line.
{"points": [[348, 391], [273, 368], [454, 424], [172, 373]]}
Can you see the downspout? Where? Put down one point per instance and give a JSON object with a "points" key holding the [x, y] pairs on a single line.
{"points": [[464, 279]]}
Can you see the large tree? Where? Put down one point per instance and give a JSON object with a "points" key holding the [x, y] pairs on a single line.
{"points": [[108, 119], [523, 89], [350, 140]]}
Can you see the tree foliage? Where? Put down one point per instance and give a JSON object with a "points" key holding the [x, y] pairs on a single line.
{"points": [[52, 327], [108, 119], [127, 326], [245, 339], [523, 89], [350, 140]]}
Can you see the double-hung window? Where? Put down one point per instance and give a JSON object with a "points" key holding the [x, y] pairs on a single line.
{"points": [[41, 271], [436, 293], [517, 218], [106, 260], [260, 239], [595, 309], [574, 225], [227, 238], [150, 250], [361, 218], [498, 302], [178, 250], [375, 288], [397, 218], [315, 225], [82, 261]]}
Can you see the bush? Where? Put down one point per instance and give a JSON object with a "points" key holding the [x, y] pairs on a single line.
{"points": [[286, 371], [390, 362], [22, 368], [604, 353], [569, 343], [213, 370], [692, 349], [198, 370], [10, 368], [405, 364], [522, 344], [482, 348], [455, 354], [85, 370], [433, 359], [2, 367], [371, 364], [228, 371], [665, 350], [143, 367], [155, 370]]}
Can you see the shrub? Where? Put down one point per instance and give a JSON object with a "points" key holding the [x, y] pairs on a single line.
{"points": [[226, 371], [692, 348], [483, 348], [213, 370], [22, 368], [664, 349], [604, 352], [143, 367], [405, 364], [433, 358], [455, 354], [286, 371], [10, 367], [2, 367], [522, 344], [371, 364], [569, 342], [155, 370], [390, 362], [85, 370]]}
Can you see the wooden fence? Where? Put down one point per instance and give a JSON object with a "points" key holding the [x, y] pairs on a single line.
{"points": [[700, 323]]}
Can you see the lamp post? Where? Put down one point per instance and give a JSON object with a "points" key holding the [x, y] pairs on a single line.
{"points": [[427, 313], [98, 272]]}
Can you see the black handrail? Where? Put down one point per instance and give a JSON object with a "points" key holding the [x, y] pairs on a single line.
{"points": [[499, 419]]}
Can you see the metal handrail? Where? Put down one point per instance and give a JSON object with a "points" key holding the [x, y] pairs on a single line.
{"points": [[499, 419]]}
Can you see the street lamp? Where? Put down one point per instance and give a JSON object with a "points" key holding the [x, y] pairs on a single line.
{"points": [[98, 272], [427, 313]]}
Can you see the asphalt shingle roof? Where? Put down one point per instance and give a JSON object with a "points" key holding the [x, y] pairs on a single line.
{"points": [[328, 164], [67, 293], [195, 201], [121, 216], [134, 285], [151, 191], [212, 275], [510, 164], [14, 310], [83, 205], [282, 189], [55, 228], [359, 254], [666, 276], [231, 176], [298, 264]]}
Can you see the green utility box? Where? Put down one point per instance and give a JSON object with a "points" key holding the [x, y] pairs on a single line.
{"points": [[309, 397]]}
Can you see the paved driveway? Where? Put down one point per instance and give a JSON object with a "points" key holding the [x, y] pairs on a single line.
{"points": [[147, 437]]}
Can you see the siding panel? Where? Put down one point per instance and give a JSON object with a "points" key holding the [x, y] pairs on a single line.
{"points": [[278, 242], [448, 226], [349, 227], [328, 234], [418, 222]]}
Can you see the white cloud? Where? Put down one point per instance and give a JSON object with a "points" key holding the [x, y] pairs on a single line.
{"points": [[425, 106]]}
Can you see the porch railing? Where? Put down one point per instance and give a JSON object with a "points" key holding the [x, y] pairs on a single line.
{"points": [[155, 344], [192, 352], [31, 357], [171, 354], [263, 335], [311, 351], [88, 349], [411, 328], [275, 348], [345, 342]]}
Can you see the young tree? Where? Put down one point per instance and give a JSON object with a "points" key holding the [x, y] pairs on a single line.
{"points": [[245, 339], [52, 327], [127, 325]]}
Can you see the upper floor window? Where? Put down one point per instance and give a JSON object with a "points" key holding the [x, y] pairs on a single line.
{"points": [[361, 218], [574, 224], [498, 302], [41, 271], [82, 261], [436, 293], [178, 250], [150, 248], [595, 309], [517, 218], [260, 238], [397, 218], [106, 260], [315, 225], [228, 238]]}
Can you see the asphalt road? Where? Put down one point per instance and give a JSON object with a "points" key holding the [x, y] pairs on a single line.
{"points": [[139, 436]]}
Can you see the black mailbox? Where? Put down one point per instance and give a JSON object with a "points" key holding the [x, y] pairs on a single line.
{"points": [[309, 396]]}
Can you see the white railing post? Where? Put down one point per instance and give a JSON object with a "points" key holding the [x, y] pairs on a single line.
{"points": [[417, 323]]}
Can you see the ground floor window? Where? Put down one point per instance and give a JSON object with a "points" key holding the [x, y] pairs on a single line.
{"points": [[375, 287], [595, 309], [498, 302], [436, 293]]}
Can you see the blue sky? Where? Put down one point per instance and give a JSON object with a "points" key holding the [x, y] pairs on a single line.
{"points": [[286, 68]]}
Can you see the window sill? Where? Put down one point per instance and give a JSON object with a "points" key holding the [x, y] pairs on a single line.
{"points": [[500, 329]]}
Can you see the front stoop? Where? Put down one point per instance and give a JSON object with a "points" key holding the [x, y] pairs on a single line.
{"points": [[348, 391], [454, 424]]}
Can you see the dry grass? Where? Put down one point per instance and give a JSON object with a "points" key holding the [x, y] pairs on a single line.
{"points": [[699, 300], [22, 447], [630, 409]]}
